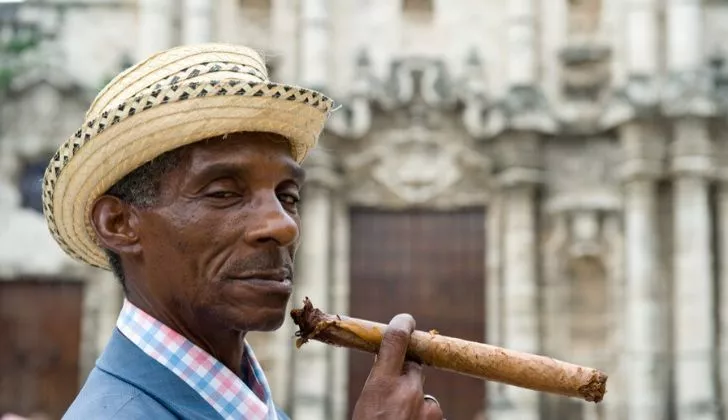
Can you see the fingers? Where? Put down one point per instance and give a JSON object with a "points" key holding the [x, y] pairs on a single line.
{"points": [[431, 409], [414, 373], [393, 349]]}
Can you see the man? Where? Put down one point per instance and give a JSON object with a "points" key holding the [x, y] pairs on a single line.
{"points": [[185, 180]]}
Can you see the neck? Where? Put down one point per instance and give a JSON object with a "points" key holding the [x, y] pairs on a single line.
{"points": [[225, 345]]}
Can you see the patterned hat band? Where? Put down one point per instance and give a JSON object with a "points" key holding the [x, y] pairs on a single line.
{"points": [[170, 100]]}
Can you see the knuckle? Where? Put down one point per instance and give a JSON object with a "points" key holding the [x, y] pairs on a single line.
{"points": [[433, 412], [396, 334], [413, 390], [413, 366]]}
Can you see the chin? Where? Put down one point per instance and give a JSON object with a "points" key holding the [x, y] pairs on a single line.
{"points": [[267, 323], [273, 324]]}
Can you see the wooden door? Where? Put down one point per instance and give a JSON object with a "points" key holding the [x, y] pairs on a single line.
{"points": [[432, 265], [39, 346]]}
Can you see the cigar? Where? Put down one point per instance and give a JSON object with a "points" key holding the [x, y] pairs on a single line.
{"points": [[483, 361]]}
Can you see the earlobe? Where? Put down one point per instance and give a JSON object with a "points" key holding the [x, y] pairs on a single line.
{"points": [[115, 225]]}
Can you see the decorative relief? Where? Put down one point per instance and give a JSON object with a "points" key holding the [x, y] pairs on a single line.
{"points": [[417, 164], [688, 93], [719, 70], [638, 98], [699, 93], [401, 143], [582, 249], [58, 103], [584, 17], [582, 260]]}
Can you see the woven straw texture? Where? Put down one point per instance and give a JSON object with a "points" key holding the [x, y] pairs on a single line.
{"points": [[174, 98]]}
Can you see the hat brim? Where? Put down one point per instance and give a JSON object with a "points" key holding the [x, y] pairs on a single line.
{"points": [[102, 153]]}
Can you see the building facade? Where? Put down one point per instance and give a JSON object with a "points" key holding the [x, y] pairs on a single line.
{"points": [[545, 176]]}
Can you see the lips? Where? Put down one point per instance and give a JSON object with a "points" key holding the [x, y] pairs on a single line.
{"points": [[279, 275]]}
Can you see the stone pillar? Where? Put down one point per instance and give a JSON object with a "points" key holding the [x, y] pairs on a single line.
{"points": [[340, 303], [314, 44], [155, 31], [312, 363], [521, 43], [645, 330], [694, 320], [684, 35], [687, 101], [197, 21], [493, 287], [642, 38], [613, 232], [722, 212], [520, 287]]}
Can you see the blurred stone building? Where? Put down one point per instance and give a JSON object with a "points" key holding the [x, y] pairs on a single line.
{"points": [[541, 175]]}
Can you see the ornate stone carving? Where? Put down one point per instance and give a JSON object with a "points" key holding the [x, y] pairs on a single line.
{"points": [[688, 94], [719, 71], [692, 152], [582, 257], [638, 98], [417, 164], [38, 112], [585, 71], [416, 153], [585, 77], [523, 108]]}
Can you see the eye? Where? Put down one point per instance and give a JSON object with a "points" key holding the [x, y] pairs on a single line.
{"points": [[289, 199], [221, 194]]}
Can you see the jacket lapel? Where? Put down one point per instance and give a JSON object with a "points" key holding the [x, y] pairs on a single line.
{"points": [[129, 363]]}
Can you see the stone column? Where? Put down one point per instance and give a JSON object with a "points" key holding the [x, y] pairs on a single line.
{"points": [[493, 288], [694, 320], [613, 232], [684, 29], [645, 333], [642, 38], [197, 21], [722, 213], [521, 43], [520, 287], [312, 364], [314, 44], [693, 313], [155, 31], [340, 303]]}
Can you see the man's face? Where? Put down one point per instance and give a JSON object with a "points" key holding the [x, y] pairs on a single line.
{"points": [[218, 248]]}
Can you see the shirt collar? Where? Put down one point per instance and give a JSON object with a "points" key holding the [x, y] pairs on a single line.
{"points": [[231, 396]]}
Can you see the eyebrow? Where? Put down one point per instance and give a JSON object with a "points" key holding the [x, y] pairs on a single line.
{"points": [[297, 172], [223, 169]]}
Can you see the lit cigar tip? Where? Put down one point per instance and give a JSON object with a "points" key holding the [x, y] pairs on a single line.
{"points": [[594, 390]]}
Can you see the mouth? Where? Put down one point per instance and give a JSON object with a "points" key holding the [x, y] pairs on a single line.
{"points": [[280, 275]]}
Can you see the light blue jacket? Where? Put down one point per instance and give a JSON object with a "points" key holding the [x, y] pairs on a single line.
{"points": [[126, 384]]}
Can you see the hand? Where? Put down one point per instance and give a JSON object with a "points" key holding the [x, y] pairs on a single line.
{"points": [[393, 390]]}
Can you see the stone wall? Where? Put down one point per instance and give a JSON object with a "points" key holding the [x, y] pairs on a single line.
{"points": [[594, 132]]}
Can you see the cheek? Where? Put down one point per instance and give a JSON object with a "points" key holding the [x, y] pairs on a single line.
{"points": [[201, 243], [172, 244]]}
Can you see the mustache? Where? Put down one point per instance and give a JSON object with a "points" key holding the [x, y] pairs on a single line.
{"points": [[264, 261]]}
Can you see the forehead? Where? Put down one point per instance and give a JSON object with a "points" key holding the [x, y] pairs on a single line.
{"points": [[242, 144], [254, 156], [244, 149]]}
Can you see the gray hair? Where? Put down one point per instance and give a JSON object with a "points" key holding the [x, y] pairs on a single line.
{"points": [[140, 188]]}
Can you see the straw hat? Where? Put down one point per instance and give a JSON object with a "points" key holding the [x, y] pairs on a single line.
{"points": [[173, 98]]}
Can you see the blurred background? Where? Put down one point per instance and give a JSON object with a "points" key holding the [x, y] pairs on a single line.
{"points": [[543, 175]]}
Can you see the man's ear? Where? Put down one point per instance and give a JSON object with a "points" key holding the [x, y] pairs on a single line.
{"points": [[116, 224]]}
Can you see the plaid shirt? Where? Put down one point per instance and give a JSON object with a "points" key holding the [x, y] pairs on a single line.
{"points": [[237, 398]]}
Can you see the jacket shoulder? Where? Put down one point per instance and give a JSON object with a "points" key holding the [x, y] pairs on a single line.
{"points": [[104, 396]]}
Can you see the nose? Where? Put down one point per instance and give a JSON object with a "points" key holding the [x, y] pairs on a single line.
{"points": [[270, 222]]}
